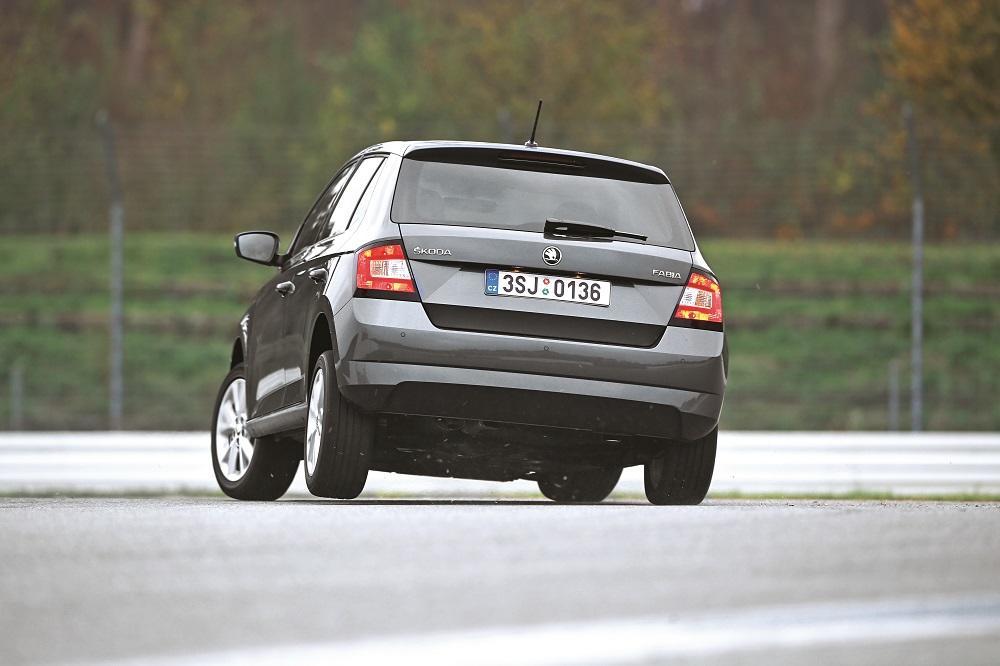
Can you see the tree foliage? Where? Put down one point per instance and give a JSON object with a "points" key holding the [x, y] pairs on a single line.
{"points": [[773, 118], [947, 54]]}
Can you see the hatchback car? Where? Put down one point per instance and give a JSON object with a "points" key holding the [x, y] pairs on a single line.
{"points": [[484, 311]]}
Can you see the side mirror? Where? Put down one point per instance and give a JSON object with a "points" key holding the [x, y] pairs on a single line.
{"points": [[257, 246]]}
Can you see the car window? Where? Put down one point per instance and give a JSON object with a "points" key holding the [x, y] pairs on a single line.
{"points": [[503, 197], [314, 224], [359, 210], [344, 209]]}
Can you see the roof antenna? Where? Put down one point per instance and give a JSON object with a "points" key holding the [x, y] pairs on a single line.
{"points": [[530, 143]]}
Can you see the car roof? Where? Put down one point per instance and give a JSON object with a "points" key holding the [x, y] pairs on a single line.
{"points": [[402, 148]]}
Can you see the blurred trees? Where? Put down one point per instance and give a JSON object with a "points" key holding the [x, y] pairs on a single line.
{"points": [[947, 54], [773, 118], [475, 70], [944, 56]]}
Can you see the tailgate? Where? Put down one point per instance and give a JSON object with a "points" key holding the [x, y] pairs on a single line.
{"points": [[449, 265]]}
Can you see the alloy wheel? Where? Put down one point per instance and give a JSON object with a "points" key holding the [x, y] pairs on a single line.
{"points": [[233, 448], [314, 425]]}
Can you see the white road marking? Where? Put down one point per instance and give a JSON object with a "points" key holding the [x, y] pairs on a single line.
{"points": [[642, 639]]}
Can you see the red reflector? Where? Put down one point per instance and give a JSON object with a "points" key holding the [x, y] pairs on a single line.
{"points": [[384, 268], [701, 300]]}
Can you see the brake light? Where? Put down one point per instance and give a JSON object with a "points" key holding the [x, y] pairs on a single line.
{"points": [[701, 303], [384, 268]]}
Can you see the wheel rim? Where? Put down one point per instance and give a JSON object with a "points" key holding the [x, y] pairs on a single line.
{"points": [[314, 424], [233, 448]]}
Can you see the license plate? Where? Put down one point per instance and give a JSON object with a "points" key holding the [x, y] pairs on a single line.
{"points": [[548, 287]]}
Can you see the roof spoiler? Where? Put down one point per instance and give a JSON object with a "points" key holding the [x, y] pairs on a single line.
{"points": [[537, 159]]}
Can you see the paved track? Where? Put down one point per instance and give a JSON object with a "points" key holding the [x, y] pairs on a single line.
{"points": [[211, 581]]}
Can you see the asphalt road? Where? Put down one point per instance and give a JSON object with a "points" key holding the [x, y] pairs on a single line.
{"points": [[216, 581]]}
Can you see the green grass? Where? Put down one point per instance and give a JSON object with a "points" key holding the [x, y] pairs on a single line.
{"points": [[500, 497], [812, 328], [859, 496]]}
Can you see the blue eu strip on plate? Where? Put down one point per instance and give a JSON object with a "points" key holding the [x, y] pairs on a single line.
{"points": [[492, 281]]}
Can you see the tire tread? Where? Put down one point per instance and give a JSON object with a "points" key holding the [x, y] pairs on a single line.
{"points": [[272, 467], [686, 470], [590, 486], [341, 471]]}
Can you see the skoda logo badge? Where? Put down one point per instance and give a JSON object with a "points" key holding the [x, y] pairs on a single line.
{"points": [[551, 255]]}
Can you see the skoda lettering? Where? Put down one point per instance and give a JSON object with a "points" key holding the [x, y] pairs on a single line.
{"points": [[441, 252]]}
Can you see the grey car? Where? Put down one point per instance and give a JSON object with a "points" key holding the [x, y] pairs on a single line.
{"points": [[484, 311]]}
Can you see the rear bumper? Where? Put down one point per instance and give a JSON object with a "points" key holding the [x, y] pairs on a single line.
{"points": [[393, 360]]}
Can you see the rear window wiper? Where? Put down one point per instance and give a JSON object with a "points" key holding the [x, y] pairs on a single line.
{"points": [[580, 230]]}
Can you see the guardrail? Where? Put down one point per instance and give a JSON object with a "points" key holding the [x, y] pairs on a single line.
{"points": [[748, 462]]}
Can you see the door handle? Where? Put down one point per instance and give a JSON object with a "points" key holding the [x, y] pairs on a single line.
{"points": [[318, 275], [285, 288]]}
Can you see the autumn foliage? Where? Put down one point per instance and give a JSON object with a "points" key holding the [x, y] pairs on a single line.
{"points": [[775, 119]]}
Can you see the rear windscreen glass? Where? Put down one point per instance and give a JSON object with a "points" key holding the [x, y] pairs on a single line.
{"points": [[473, 195]]}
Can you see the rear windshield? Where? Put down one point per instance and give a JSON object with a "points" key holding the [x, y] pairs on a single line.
{"points": [[479, 195]]}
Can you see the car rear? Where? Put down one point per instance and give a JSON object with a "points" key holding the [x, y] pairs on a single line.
{"points": [[534, 288]]}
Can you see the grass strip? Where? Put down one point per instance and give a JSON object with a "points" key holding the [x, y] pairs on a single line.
{"points": [[498, 497]]}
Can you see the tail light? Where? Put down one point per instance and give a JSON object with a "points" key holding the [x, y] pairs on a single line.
{"points": [[701, 303], [383, 272]]}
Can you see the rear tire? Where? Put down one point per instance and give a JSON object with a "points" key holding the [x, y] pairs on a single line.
{"points": [[683, 472], [592, 485], [247, 469], [339, 437]]}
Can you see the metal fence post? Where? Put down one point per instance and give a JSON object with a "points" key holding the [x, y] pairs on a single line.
{"points": [[917, 285], [893, 410], [116, 231], [17, 396]]}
